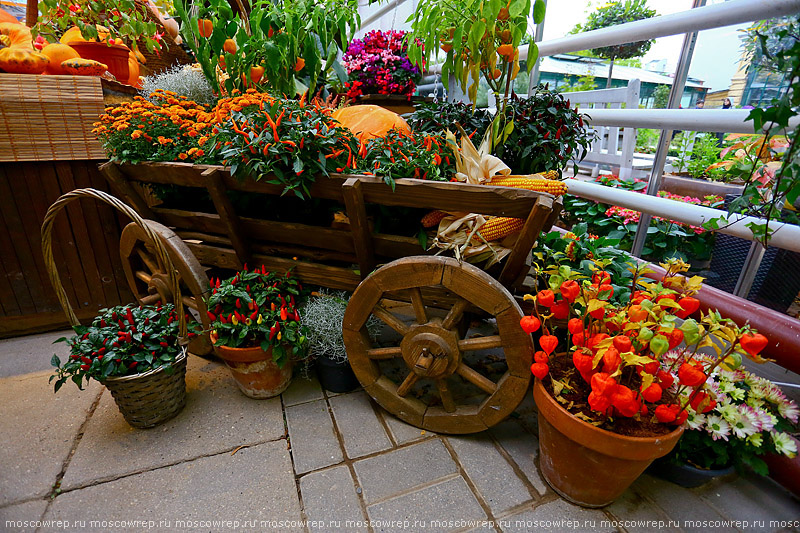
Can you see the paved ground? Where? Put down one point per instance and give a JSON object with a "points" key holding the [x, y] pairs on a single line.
{"points": [[307, 461]]}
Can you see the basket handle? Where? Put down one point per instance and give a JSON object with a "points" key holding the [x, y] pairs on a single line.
{"points": [[161, 251]]}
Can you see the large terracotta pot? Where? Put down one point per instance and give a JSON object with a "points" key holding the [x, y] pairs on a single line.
{"points": [[115, 57], [255, 372], [587, 465]]}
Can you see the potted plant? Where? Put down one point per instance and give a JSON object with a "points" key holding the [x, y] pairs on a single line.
{"points": [[610, 403], [107, 31], [378, 64], [322, 315], [134, 351], [256, 329], [748, 417]]}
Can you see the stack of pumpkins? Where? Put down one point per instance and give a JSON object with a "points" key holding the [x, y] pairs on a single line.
{"points": [[73, 55]]}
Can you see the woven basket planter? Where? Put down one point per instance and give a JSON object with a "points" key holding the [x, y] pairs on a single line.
{"points": [[155, 396], [152, 397]]}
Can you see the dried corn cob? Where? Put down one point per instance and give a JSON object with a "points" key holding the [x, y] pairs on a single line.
{"points": [[433, 218], [550, 175], [554, 187], [497, 228]]}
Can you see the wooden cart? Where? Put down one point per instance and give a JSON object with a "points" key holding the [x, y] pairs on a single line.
{"points": [[428, 375]]}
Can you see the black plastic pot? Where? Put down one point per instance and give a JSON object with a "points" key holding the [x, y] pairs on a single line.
{"points": [[336, 376], [684, 474]]}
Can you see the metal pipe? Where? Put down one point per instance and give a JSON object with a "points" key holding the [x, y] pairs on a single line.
{"points": [[703, 18], [660, 159], [727, 120], [749, 270], [381, 11], [786, 236]]}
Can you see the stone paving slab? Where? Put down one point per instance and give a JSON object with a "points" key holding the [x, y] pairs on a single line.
{"points": [[39, 429], [31, 353], [492, 475], [255, 485], [523, 448], [386, 475], [403, 433], [556, 516], [358, 424], [23, 516], [681, 505], [640, 515], [217, 417], [314, 443], [302, 390], [330, 501], [446, 506], [752, 498]]}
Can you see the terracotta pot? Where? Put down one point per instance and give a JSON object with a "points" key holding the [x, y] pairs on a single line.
{"points": [[587, 465], [255, 372], [114, 56]]}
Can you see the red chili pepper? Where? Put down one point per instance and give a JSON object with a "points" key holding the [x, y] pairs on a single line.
{"points": [[238, 303], [254, 315], [283, 313], [162, 343], [129, 315], [102, 323]]}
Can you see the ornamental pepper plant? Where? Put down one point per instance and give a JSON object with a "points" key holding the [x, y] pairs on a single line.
{"points": [[285, 142], [398, 155], [258, 308], [611, 370], [121, 341]]}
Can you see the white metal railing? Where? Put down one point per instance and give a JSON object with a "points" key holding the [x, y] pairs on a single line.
{"points": [[727, 120], [785, 236], [701, 18]]}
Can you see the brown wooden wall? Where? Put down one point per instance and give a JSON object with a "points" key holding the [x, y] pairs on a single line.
{"points": [[85, 246]]}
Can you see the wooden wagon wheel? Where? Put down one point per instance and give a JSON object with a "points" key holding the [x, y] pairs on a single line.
{"points": [[432, 348], [148, 279]]}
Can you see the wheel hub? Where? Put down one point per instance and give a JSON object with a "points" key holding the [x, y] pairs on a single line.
{"points": [[431, 351]]}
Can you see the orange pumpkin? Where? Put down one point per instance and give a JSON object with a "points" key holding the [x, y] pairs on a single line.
{"points": [[74, 34], [171, 25], [133, 69], [58, 53], [22, 61], [84, 67], [17, 35], [367, 121]]}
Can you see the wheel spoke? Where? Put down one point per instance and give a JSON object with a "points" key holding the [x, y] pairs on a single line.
{"points": [[384, 353], [190, 302], [144, 276], [480, 343], [390, 320], [455, 313], [147, 259], [419, 305], [150, 299], [406, 385], [446, 396], [477, 379]]}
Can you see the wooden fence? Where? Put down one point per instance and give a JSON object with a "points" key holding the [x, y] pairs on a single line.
{"points": [[86, 246]]}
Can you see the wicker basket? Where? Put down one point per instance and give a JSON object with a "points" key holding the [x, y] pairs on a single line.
{"points": [[149, 398], [155, 396]]}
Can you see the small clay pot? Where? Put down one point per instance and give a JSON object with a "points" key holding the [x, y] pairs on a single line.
{"points": [[336, 376], [589, 466], [686, 475], [115, 57], [255, 372]]}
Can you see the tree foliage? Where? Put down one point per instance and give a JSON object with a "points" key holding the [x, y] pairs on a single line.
{"points": [[615, 13]]}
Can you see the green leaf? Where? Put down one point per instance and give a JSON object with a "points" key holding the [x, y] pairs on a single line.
{"points": [[533, 56], [55, 361], [539, 8]]}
